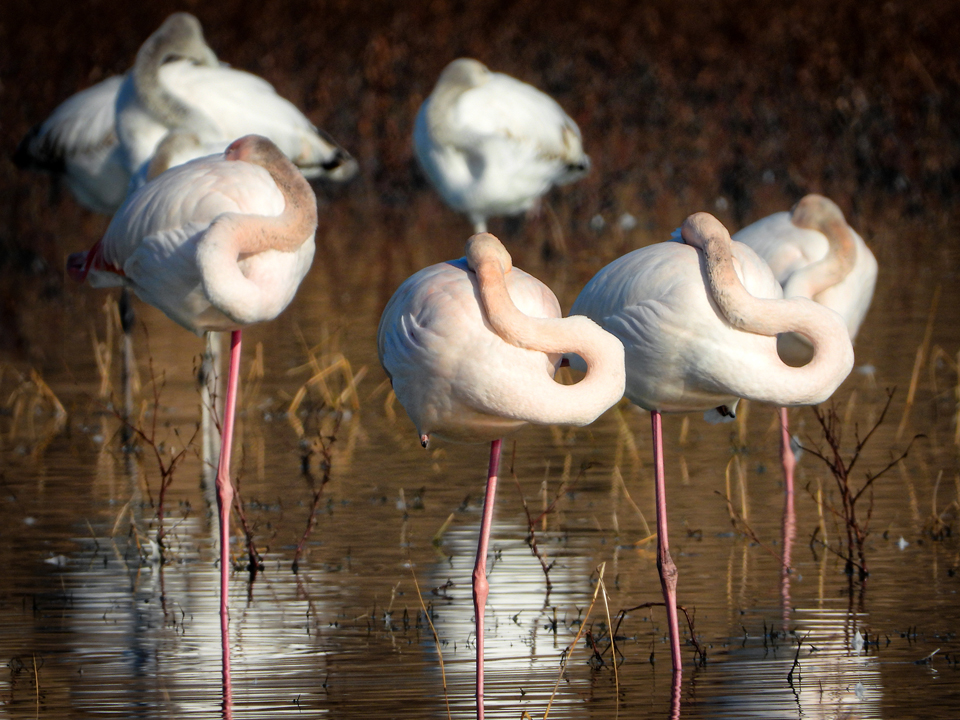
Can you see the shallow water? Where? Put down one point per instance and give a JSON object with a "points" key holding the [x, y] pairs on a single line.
{"points": [[96, 620], [93, 624]]}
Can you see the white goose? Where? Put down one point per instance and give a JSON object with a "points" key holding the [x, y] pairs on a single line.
{"points": [[177, 85], [77, 144], [492, 145]]}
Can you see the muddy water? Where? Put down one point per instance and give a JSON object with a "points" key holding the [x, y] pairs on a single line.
{"points": [[98, 621]]}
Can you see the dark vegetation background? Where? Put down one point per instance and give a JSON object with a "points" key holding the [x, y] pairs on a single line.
{"points": [[736, 107]]}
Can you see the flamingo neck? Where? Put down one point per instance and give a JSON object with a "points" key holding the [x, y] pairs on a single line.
{"points": [[457, 78], [178, 38], [234, 236], [603, 384], [815, 212], [826, 331]]}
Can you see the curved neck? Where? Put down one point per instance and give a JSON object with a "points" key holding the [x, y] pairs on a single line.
{"points": [[815, 212], [832, 350], [233, 236], [458, 77], [170, 43], [603, 384]]}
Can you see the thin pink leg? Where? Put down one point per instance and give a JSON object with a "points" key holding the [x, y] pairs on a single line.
{"points": [[786, 455], [789, 515], [481, 587], [665, 565], [224, 503]]}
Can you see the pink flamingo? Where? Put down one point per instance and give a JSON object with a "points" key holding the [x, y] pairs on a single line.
{"points": [[813, 253], [216, 244], [471, 347], [698, 319]]}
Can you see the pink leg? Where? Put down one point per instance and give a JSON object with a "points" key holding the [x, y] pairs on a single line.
{"points": [[786, 455], [665, 565], [225, 503], [481, 587], [789, 515]]}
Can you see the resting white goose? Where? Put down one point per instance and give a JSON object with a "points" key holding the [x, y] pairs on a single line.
{"points": [[177, 85], [77, 143], [492, 145]]}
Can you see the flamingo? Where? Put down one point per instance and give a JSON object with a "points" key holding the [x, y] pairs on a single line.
{"points": [[492, 145], [216, 244], [177, 84], [471, 347], [77, 143], [815, 254], [698, 319]]}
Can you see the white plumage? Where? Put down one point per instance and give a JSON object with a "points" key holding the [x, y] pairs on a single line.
{"points": [[154, 245], [455, 376], [78, 143], [492, 145], [683, 352], [177, 85], [822, 258]]}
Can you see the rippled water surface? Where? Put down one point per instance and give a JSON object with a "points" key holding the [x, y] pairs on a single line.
{"points": [[104, 615], [95, 624]]}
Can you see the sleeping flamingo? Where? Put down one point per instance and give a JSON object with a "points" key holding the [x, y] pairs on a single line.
{"points": [[813, 253], [492, 145], [699, 320], [216, 244], [177, 85], [77, 144], [471, 347]]}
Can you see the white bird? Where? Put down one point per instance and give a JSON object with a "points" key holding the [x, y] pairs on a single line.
{"points": [[699, 320], [217, 243], [77, 143], [814, 254], [471, 347], [177, 85], [492, 145]]}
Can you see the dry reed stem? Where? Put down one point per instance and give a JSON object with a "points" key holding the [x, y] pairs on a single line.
{"points": [[918, 362], [848, 412], [618, 478], [743, 527], [742, 485], [626, 435], [743, 414], [441, 531], [573, 645], [613, 644], [436, 639], [337, 363], [544, 489], [726, 478], [36, 682], [823, 521], [388, 402], [23, 402], [684, 471]]}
